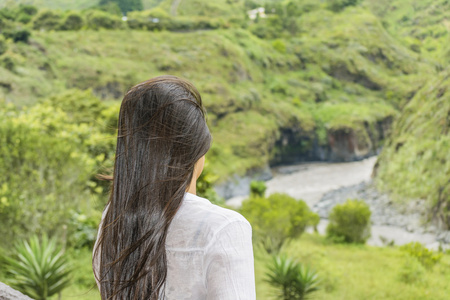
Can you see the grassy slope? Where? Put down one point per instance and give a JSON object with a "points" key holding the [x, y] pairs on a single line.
{"points": [[53, 4], [417, 156], [359, 272], [349, 272], [421, 25], [415, 161], [343, 70]]}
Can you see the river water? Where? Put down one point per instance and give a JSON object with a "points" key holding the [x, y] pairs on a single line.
{"points": [[322, 185]]}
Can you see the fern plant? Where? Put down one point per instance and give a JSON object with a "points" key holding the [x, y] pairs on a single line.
{"points": [[39, 268], [293, 280]]}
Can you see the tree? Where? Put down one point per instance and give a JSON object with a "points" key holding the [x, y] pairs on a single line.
{"points": [[125, 5]]}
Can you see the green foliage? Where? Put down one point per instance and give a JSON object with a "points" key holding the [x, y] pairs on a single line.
{"points": [[419, 146], [80, 106], [25, 13], [338, 5], [293, 280], [3, 45], [17, 35], [97, 19], [38, 269], [412, 271], [205, 185], [352, 272], [277, 219], [425, 256], [46, 20], [52, 161], [349, 222], [125, 5], [7, 62], [83, 230], [258, 189], [72, 21]]}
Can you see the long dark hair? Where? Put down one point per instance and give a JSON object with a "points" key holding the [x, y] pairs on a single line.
{"points": [[162, 133]]}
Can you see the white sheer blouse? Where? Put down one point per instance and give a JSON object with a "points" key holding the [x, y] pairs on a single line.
{"points": [[209, 253]]}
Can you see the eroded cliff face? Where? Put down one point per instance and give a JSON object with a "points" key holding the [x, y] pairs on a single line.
{"points": [[342, 144]]}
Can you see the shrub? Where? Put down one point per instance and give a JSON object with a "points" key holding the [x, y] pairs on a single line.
{"points": [[3, 45], [425, 256], [73, 21], [28, 9], [292, 279], [51, 162], [257, 188], [205, 186], [25, 13], [7, 62], [39, 269], [47, 20], [17, 35], [338, 5], [80, 106], [349, 222], [277, 219], [412, 271], [83, 230], [98, 19]]}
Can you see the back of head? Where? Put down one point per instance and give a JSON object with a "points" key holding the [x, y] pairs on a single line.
{"points": [[162, 134]]}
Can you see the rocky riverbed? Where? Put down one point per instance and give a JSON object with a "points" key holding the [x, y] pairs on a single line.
{"points": [[323, 185], [392, 223]]}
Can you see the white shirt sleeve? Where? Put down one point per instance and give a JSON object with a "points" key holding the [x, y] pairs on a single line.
{"points": [[229, 265]]}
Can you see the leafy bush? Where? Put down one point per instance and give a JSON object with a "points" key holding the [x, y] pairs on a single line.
{"points": [[425, 256], [80, 106], [277, 219], [412, 271], [17, 35], [293, 280], [337, 5], [25, 13], [73, 21], [50, 163], [39, 268], [46, 20], [257, 188], [205, 186], [125, 5], [3, 45], [349, 222], [98, 19], [83, 230], [7, 62]]}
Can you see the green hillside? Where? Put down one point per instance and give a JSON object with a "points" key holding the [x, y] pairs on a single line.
{"points": [[310, 81], [422, 26], [415, 162]]}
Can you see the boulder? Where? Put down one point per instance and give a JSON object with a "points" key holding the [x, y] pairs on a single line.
{"points": [[8, 293]]}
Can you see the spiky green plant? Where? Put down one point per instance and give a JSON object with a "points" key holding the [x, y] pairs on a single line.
{"points": [[39, 268], [293, 280]]}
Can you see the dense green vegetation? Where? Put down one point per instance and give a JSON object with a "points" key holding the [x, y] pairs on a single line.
{"points": [[352, 272], [310, 80], [417, 155]]}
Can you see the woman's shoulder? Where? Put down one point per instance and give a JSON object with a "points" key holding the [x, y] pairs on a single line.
{"points": [[198, 221], [203, 209]]}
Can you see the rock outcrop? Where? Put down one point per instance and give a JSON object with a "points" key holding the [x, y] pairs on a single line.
{"points": [[8, 293]]}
